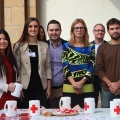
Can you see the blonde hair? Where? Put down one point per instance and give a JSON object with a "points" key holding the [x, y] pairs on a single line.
{"points": [[85, 37]]}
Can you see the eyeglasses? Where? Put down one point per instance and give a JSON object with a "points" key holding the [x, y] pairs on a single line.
{"points": [[99, 30], [79, 28]]}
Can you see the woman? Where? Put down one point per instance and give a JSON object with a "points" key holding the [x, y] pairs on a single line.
{"points": [[8, 69], [33, 60], [42, 34], [78, 61]]}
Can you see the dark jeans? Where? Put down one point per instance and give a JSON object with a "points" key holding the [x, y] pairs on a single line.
{"points": [[106, 97]]}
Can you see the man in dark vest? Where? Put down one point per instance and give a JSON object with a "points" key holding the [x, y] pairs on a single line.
{"points": [[99, 32]]}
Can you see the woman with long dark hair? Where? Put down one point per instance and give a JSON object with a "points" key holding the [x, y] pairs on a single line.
{"points": [[8, 69], [42, 34], [33, 60]]}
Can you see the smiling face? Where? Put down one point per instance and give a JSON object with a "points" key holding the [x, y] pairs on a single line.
{"points": [[33, 29], [54, 32], [3, 43], [99, 32], [79, 30], [114, 31]]}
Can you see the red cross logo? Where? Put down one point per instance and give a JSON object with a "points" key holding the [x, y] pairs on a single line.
{"points": [[11, 106], [33, 108], [86, 106], [16, 108], [117, 110]]}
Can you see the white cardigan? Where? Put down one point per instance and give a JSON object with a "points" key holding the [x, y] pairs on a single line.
{"points": [[4, 85]]}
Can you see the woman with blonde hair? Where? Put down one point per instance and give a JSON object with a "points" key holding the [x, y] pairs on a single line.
{"points": [[78, 62]]}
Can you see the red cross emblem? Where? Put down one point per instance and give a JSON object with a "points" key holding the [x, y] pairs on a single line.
{"points": [[86, 106], [16, 108], [11, 106], [33, 108], [117, 110]]}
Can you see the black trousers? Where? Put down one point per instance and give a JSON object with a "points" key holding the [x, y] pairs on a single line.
{"points": [[32, 95], [97, 89]]}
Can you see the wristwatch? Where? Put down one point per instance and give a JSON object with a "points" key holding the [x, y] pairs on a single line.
{"points": [[85, 78]]}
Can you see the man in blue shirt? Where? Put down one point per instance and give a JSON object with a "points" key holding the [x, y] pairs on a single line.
{"points": [[55, 44]]}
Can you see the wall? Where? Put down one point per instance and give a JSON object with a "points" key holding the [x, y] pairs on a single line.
{"points": [[65, 11], [14, 17], [15, 14], [1, 14]]}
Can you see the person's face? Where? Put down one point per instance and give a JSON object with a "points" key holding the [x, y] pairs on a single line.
{"points": [[54, 32], [114, 31], [42, 34], [33, 29], [3, 43], [99, 32], [79, 30]]}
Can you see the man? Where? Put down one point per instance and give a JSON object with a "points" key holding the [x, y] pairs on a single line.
{"points": [[55, 44], [108, 64], [99, 33]]}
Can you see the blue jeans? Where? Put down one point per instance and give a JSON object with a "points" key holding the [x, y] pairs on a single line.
{"points": [[106, 97]]}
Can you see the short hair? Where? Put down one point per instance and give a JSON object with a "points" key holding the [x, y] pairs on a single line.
{"points": [[54, 22], [99, 24], [112, 21]]}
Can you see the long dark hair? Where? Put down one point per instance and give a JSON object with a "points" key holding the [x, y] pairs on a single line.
{"points": [[24, 37], [9, 55], [44, 38]]}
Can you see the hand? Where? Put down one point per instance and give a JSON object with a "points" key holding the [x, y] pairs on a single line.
{"points": [[117, 92], [11, 87], [21, 96], [113, 86], [77, 85], [78, 91], [48, 92]]}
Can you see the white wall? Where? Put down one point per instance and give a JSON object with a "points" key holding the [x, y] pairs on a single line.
{"points": [[66, 11]]}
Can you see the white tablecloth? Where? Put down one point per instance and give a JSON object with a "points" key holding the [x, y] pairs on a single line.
{"points": [[100, 114]]}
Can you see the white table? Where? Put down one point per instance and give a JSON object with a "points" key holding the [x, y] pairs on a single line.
{"points": [[100, 114]]}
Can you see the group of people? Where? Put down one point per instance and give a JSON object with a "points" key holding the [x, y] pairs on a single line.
{"points": [[50, 69]]}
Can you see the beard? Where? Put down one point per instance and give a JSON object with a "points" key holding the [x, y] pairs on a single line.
{"points": [[115, 37]]}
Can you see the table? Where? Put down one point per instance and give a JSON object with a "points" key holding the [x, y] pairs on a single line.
{"points": [[100, 114]]}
